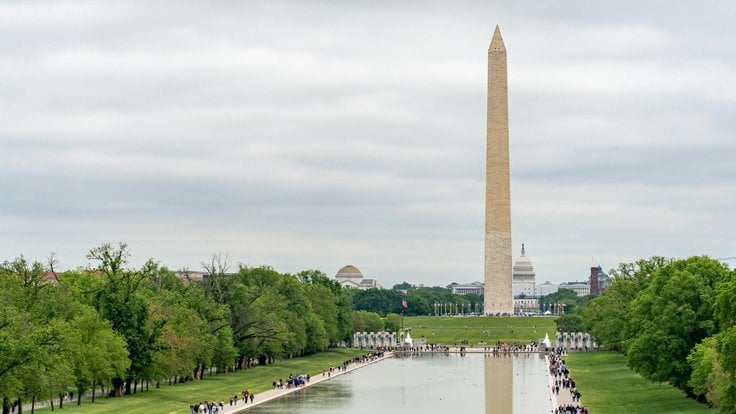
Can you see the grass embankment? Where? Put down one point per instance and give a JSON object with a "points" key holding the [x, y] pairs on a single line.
{"points": [[480, 331], [176, 398], [609, 386]]}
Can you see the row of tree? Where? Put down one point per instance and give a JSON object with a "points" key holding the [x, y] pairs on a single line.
{"points": [[419, 301], [116, 327], [675, 320]]}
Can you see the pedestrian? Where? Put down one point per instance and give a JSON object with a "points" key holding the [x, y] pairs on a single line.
{"points": [[252, 396]]}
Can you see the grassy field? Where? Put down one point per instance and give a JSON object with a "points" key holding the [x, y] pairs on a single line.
{"points": [[176, 398], [479, 330], [609, 386]]}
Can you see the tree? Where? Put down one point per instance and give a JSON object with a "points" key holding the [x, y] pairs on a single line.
{"points": [[392, 322], [36, 340], [103, 354], [566, 296], [605, 317], [672, 315], [708, 379], [417, 304], [121, 303], [258, 313], [364, 321], [403, 286], [570, 323], [185, 343], [381, 301]]}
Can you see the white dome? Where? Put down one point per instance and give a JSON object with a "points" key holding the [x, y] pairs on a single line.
{"points": [[349, 272], [523, 270]]}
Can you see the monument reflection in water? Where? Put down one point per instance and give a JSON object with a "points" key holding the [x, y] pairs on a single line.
{"points": [[499, 376], [428, 384], [516, 384]]}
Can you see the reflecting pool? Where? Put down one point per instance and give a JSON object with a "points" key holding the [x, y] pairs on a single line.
{"points": [[428, 383]]}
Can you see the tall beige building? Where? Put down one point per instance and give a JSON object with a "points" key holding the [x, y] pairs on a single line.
{"points": [[498, 294]]}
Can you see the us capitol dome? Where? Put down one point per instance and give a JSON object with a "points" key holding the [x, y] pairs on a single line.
{"points": [[524, 280]]}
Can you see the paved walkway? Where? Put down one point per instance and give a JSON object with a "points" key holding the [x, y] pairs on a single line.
{"points": [[272, 394], [564, 398]]}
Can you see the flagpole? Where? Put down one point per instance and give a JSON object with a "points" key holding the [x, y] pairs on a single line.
{"points": [[404, 305]]}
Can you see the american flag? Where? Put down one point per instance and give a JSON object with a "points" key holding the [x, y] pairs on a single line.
{"points": [[404, 304]]}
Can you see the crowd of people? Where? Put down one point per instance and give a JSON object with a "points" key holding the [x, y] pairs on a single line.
{"points": [[207, 407], [512, 347], [499, 348], [213, 407], [563, 382], [298, 380]]}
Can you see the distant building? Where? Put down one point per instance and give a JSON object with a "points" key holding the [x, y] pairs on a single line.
{"points": [[524, 305], [523, 286], [192, 276], [50, 277], [350, 276], [547, 288], [523, 276], [598, 281], [477, 288], [580, 288]]}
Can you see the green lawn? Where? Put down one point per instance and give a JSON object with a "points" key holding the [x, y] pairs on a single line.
{"points": [[176, 398], [479, 329], [609, 386]]}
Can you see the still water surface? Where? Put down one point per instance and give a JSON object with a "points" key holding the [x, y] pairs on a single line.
{"points": [[428, 383]]}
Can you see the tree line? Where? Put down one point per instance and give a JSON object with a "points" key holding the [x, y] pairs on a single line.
{"points": [[419, 300], [675, 320], [117, 328]]}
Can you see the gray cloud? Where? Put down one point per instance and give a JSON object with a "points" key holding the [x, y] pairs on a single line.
{"points": [[311, 135]]}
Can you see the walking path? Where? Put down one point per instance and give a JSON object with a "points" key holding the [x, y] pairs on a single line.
{"points": [[272, 394], [563, 398]]}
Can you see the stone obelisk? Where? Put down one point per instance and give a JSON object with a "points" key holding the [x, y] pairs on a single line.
{"points": [[498, 293]]}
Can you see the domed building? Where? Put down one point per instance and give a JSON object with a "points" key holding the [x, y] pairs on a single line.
{"points": [[524, 279], [350, 276]]}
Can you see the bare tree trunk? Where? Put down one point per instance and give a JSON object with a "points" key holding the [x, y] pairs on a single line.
{"points": [[33, 405], [118, 384], [52, 404], [128, 384]]}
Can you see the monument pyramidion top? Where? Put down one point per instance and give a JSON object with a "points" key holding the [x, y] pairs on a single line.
{"points": [[497, 42]]}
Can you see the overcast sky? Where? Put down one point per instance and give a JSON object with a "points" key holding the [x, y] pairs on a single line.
{"points": [[310, 135]]}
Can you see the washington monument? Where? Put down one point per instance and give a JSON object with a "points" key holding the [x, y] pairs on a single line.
{"points": [[498, 294]]}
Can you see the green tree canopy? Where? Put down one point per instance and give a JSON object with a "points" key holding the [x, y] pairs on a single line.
{"points": [[670, 316]]}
